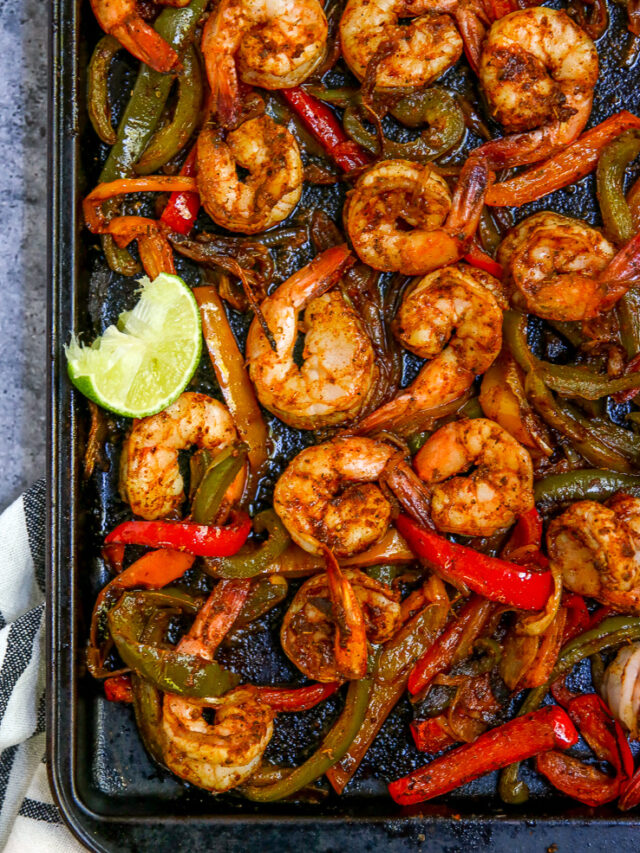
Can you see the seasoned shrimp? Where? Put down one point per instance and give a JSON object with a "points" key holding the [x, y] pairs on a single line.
{"points": [[328, 495], [338, 369], [563, 269], [120, 18], [221, 755], [273, 186], [150, 479], [396, 193], [274, 44], [309, 627], [489, 499], [597, 548], [423, 49], [538, 70], [453, 317]]}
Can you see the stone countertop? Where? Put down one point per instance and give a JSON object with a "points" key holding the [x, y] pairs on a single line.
{"points": [[24, 83]]}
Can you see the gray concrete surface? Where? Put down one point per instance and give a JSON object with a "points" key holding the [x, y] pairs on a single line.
{"points": [[23, 210]]}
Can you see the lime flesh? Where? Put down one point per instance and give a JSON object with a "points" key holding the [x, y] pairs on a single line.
{"points": [[141, 365]]}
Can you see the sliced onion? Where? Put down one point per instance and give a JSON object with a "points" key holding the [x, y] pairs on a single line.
{"points": [[621, 687]]}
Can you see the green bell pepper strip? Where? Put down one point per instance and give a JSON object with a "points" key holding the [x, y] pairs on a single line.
{"points": [[98, 89], [147, 707], [587, 439], [435, 107], [594, 484], [250, 564], [266, 594], [579, 382], [169, 670], [334, 746], [390, 676], [147, 699], [612, 165], [628, 311], [142, 114], [610, 633], [218, 477], [562, 378], [171, 139]]}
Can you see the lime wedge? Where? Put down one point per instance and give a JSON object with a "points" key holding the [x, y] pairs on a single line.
{"points": [[143, 364]]}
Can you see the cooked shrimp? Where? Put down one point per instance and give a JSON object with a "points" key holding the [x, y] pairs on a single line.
{"points": [[453, 317], [423, 48], [150, 479], [538, 70], [221, 755], [120, 18], [309, 630], [597, 548], [328, 495], [489, 499], [274, 44], [396, 193], [563, 269], [273, 186], [338, 369]]}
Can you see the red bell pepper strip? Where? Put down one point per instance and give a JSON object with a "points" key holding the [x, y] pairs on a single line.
{"points": [[516, 740], [497, 580], [583, 782], [567, 167], [577, 616], [631, 793], [430, 735], [182, 209], [118, 688], [528, 531], [324, 126], [297, 698], [202, 540], [476, 257], [441, 654]]}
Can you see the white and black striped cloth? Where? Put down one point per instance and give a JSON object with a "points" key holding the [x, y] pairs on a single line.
{"points": [[29, 820]]}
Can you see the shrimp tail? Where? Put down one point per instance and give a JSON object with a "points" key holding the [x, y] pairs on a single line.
{"points": [[216, 617], [472, 21], [350, 639], [324, 271], [468, 200], [621, 273], [143, 42], [224, 102], [409, 489]]}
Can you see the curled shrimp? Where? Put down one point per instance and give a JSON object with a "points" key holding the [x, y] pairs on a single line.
{"points": [[273, 186], [453, 317], [328, 495], [216, 756], [498, 490], [563, 269], [274, 44], [150, 479], [597, 548], [538, 70], [309, 629], [338, 369], [423, 49], [396, 193], [120, 18]]}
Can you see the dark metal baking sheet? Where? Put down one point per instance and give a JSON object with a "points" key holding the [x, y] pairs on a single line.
{"points": [[109, 792]]}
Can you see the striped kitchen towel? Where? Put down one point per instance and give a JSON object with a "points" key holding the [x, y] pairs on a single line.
{"points": [[29, 820]]}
